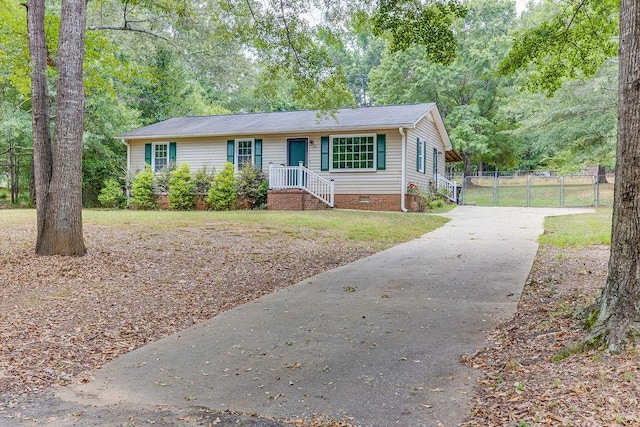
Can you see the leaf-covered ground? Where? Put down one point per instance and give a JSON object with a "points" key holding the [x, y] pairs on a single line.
{"points": [[63, 317], [521, 385]]}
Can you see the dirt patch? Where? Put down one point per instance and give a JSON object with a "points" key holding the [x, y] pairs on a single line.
{"points": [[523, 387]]}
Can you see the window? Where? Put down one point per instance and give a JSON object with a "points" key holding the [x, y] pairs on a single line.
{"points": [[421, 155], [353, 152], [160, 156], [244, 152]]}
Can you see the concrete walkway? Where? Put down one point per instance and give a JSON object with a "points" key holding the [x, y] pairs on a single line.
{"points": [[378, 340]]}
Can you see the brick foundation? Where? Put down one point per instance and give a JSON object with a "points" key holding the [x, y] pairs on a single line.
{"points": [[300, 200], [283, 200]]}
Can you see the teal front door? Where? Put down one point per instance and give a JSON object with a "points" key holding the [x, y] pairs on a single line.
{"points": [[297, 151]]}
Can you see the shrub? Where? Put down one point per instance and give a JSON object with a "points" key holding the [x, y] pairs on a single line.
{"points": [[202, 179], [143, 195], [437, 203], [223, 193], [111, 196], [182, 189], [162, 177], [252, 186]]}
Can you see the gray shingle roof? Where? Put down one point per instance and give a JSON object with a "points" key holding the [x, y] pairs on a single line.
{"points": [[284, 122]]}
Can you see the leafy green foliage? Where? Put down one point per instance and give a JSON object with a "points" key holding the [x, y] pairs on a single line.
{"points": [[143, 195], [428, 24], [111, 196], [15, 145], [182, 188], [468, 92], [202, 179], [252, 187], [223, 192], [161, 179], [289, 47], [103, 156], [578, 37], [469, 129], [572, 129]]}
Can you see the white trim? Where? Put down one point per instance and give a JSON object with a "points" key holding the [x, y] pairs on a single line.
{"points": [[421, 155], [153, 155], [351, 135], [236, 147]]}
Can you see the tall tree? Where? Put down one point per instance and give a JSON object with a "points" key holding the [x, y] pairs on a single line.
{"points": [[576, 40], [466, 90], [58, 169], [619, 316]]}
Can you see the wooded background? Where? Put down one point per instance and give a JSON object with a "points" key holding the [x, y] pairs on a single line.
{"points": [[148, 61]]}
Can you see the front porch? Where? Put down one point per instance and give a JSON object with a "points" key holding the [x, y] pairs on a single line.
{"points": [[299, 188]]}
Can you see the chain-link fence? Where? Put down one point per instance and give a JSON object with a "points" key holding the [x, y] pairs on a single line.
{"points": [[539, 191]]}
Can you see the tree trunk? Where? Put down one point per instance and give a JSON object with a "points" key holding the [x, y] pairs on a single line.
{"points": [[601, 174], [466, 163], [59, 173], [39, 108], [619, 317]]}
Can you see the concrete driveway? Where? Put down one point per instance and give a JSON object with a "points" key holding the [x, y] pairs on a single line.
{"points": [[377, 341]]}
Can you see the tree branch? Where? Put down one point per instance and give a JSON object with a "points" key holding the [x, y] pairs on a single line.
{"points": [[573, 17], [125, 27], [289, 39]]}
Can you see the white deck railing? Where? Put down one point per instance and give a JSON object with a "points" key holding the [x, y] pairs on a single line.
{"points": [[447, 188], [290, 177]]}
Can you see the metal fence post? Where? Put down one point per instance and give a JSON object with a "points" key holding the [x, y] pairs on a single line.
{"points": [[562, 191], [528, 191], [495, 189], [596, 192]]}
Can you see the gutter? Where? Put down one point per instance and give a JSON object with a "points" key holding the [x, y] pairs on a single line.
{"points": [[403, 190]]}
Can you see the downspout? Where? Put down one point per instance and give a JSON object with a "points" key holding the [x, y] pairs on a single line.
{"points": [[403, 190], [128, 168]]}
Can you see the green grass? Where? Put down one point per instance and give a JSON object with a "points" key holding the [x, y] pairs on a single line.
{"points": [[542, 195], [378, 228], [578, 230]]}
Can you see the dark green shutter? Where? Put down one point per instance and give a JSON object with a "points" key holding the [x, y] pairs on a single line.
{"points": [[418, 149], [147, 154], [172, 153], [324, 153], [231, 148], [435, 162], [424, 157], [258, 156], [382, 152]]}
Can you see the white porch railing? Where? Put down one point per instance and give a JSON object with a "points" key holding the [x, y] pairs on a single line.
{"points": [[290, 177], [447, 188]]}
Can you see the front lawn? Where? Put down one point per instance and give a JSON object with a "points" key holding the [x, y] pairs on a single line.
{"points": [[149, 274]]}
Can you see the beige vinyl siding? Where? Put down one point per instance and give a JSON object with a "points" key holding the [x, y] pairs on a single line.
{"points": [[425, 130], [212, 152], [197, 152], [386, 181]]}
